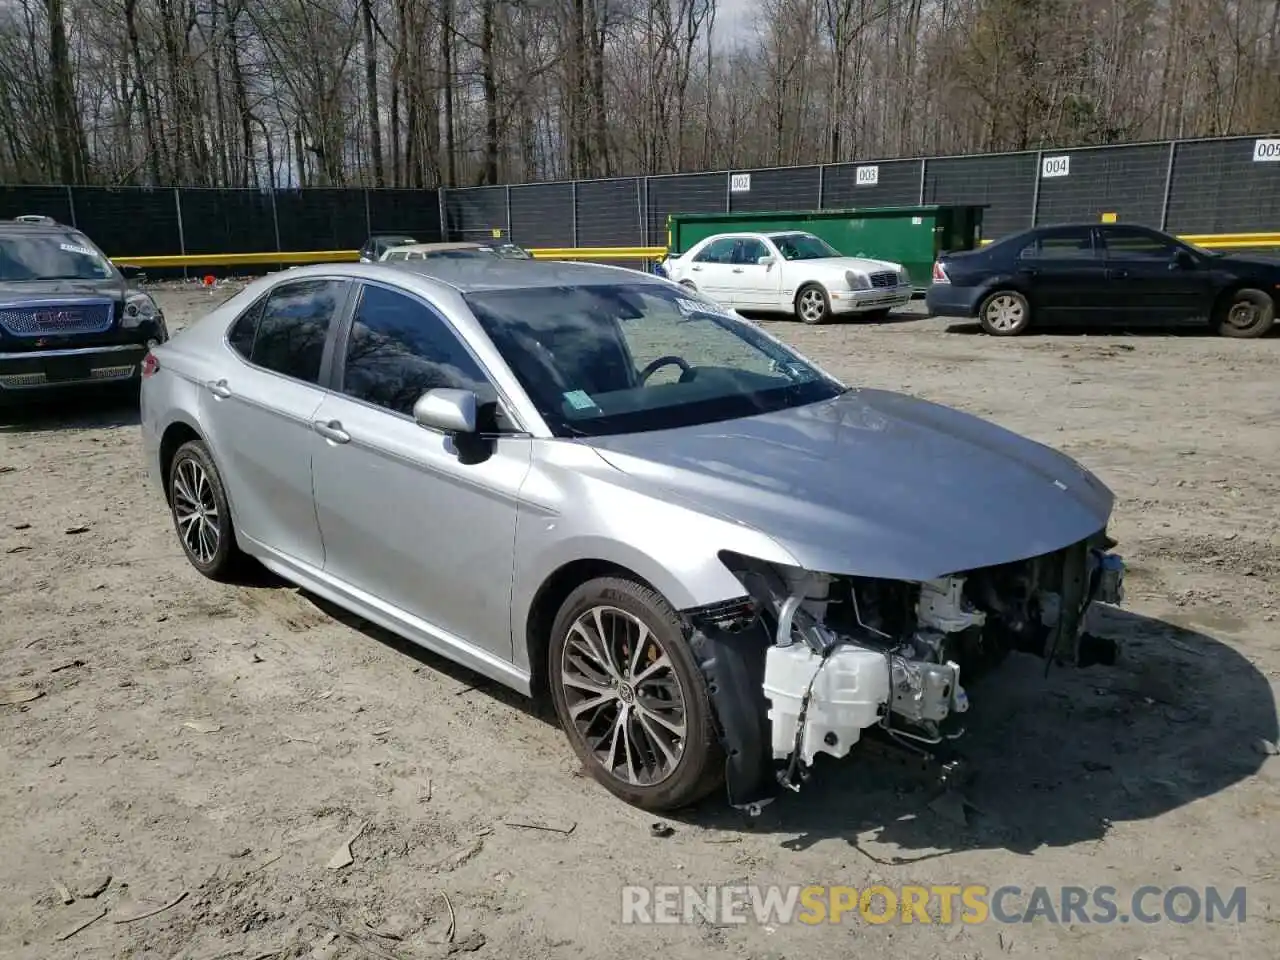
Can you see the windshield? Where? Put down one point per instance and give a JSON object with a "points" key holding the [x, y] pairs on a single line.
{"points": [[51, 257], [803, 246], [624, 358], [481, 252]]}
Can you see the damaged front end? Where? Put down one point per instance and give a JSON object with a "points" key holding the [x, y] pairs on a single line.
{"points": [[809, 662]]}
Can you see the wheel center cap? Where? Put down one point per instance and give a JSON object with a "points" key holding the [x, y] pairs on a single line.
{"points": [[626, 693]]}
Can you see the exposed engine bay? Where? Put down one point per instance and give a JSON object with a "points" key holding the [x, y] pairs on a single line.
{"points": [[846, 655]]}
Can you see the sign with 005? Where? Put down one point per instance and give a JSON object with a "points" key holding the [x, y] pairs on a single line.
{"points": [[1266, 151]]}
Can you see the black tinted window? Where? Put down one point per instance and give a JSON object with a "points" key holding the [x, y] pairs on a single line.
{"points": [[1127, 244], [1073, 245], [399, 349], [295, 321], [241, 334]]}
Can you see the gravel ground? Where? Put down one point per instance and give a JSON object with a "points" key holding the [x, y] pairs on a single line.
{"points": [[219, 744]]}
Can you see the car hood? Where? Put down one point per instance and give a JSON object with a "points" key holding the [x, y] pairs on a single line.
{"points": [[874, 484], [841, 264], [11, 291], [1246, 262]]}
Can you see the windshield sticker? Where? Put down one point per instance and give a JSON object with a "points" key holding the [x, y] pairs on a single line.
{"points": [[579, 400], [83, 251], [691, 308]]}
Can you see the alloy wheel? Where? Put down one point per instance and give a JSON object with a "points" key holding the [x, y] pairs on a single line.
{"points": [[196, 511], [812, 306], [1005, 313], [623, 696]]}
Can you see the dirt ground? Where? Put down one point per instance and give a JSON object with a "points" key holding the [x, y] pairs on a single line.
{"points": [[220, 744]]}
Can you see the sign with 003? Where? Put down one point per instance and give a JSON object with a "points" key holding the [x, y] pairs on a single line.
{"points": [[867, 176], [1056, 166], [1266, 151]]}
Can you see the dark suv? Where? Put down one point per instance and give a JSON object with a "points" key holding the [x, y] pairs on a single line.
{"points": [[68, 317]]}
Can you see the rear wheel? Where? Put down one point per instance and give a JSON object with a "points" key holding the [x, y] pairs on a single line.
{"points": [[201, 515], [630, 696], [812, 304], [1005, 313], [1245, 314]]}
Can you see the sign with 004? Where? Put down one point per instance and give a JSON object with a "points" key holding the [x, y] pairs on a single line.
{"points": [[739, 183], [1266, 151], [1056, 166]]}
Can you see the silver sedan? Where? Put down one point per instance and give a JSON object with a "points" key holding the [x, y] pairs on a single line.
{"points": [[591, 484]]}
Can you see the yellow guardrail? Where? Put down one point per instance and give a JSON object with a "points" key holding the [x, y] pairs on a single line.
{"points": [[1212, 241], [1219, 241], [599, 253], [350, 256]]}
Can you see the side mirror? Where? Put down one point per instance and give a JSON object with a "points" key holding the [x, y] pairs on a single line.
{"points": [[442, 408], [766, 261], [130, 272], [1182, 261]]}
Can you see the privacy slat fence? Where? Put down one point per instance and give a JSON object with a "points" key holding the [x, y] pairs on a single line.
{"points": [[1229, 185]]}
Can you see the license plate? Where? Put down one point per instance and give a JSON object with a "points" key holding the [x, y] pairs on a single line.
{"points": [[64, 369]]}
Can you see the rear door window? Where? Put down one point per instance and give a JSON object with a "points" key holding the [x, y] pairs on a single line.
{"points": [[1074, 244], [717, 251], [294, 324]]}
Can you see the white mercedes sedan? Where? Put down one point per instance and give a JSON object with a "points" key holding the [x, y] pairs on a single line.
{"points": [[790, 272]]}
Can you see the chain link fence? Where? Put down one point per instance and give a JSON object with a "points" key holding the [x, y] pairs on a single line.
{"points": [[1190, 187], [166, 221], [1229, 185]]}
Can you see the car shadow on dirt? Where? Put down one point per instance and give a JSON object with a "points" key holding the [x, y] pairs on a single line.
{"points": [[467, 679], [973, 328], [848, 320], [1056, 759], [84, 410]]}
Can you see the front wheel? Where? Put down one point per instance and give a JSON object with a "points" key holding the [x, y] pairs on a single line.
{"points": [[812, 304], [1245, 314], [630, 696], [1005, 313]]}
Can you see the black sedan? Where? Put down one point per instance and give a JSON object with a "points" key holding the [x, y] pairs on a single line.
{"points": [[1109, 274]]}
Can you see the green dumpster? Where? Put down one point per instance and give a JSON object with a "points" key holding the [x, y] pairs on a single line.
{"points": [[911, 236]]}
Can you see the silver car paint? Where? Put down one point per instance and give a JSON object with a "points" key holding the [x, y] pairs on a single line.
{"points": [[453, 555]]}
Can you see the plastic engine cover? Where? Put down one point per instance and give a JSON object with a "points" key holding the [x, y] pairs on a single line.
{"points": [[848, 695]]}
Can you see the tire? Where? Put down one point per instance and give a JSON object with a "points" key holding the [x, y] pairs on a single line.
{"points": [[813, 306], [653, 768], [1245, 314], [1004, 313], [688, 285], [876, 316], [199, 508]]}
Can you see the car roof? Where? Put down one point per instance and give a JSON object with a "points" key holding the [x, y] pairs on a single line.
{"points": [[14, 228], [467, 276], [432, 247]]}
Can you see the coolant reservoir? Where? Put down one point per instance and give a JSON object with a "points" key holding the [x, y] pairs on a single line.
{"points": [[848, 694]]}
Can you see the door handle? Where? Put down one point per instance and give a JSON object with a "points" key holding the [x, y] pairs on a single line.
{"points": [[695, 267], [331, 430], [737, 269], [219, 389], [1119, 274], [1028, 271]]}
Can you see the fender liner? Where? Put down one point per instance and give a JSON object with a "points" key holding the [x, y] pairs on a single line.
{"points": [[731, 655]]}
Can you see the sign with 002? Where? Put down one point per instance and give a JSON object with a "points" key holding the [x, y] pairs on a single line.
{"points": [[740, 183]]}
